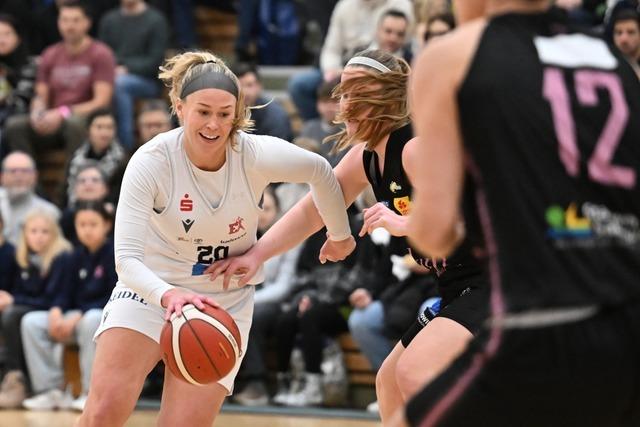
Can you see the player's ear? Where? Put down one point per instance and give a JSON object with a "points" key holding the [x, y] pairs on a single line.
{"points": [[179, 109]]}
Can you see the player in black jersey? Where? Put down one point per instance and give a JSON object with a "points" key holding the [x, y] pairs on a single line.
{"points": [[373, 106], [548, 118]]}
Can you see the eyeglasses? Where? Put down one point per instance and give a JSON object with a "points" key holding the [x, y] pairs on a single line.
{"points": [[14, 171], [90, 179]]}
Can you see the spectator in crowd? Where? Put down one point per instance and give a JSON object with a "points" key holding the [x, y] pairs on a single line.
{"points": [[154, 118], [391, 34], [438, 25], [350, 29], [319, 128], [626, 35], [76, 317], [139, 36], [270, 117], [279, 277], [90, 185], [101, 146], [17, 195], [75, 77], [17, 71], [43, 264]]}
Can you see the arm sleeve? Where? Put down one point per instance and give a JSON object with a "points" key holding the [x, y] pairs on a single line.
{"points": [[135, 207], [283, 282], [275, 160]]}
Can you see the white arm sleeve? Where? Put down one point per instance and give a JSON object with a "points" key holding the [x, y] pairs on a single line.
{"points": [[272, 159], [135, 207]]}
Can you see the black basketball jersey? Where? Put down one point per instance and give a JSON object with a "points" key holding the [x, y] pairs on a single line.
{"points": [[551, 120], [393, 189]]}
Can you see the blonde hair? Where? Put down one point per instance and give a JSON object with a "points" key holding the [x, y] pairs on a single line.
{"points": [[184, 67], [384, 93], [56, 246]]}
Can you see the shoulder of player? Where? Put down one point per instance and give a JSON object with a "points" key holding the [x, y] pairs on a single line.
{"points": [[450, 55], [159, 148]]}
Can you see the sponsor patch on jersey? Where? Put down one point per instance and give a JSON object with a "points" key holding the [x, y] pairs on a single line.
{"points": [[236, 226], [187, 223], [186, 204], [402, 204], [394, 187], [591, 225]]}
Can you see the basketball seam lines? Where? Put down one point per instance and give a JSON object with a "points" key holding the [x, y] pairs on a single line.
{"points": [[201, 345]]}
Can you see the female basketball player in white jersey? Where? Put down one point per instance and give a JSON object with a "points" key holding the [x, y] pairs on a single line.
{"points": [[375, 111], [191, 196]]}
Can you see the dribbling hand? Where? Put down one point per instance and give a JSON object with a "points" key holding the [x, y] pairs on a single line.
{"points": [[336, 251], [378, 216], [174, 299]]}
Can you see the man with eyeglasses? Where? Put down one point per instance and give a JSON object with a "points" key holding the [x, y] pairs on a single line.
{"points": [[17, 194]]}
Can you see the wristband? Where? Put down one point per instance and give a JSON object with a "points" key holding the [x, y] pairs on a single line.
{"points": [[64, 111]]}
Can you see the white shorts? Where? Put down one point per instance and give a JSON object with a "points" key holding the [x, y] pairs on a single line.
{"points": [[127, 309]]}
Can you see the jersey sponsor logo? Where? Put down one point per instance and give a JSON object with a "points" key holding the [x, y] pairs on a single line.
{"points": [[186, 204], [402, 204], [591, 225], [198, 240], [183, 239], [236, 226], [126, 294], [187, 223], [394, 187]]}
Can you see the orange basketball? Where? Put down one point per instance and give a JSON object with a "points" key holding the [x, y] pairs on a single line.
{"points": [[200, 347]]}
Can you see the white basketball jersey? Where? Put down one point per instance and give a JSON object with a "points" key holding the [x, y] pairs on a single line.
{"points": [[189, 234]]}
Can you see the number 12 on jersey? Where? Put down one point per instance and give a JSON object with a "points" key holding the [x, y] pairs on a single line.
{"points": [[587, 83]]}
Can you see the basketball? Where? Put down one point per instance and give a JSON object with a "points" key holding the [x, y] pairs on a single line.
{"points": [[200, 347]]}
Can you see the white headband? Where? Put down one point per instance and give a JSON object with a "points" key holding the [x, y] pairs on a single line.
{"points": [[369, 62]]}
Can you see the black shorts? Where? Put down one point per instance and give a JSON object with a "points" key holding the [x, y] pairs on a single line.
{"points": [[582, 374], [466, 302]]}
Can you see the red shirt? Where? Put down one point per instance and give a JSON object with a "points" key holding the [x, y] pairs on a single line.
{"points": [[71, 77]]}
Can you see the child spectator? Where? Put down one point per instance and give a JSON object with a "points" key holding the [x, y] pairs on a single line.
{"points": [[76, 316], [43, 264]]}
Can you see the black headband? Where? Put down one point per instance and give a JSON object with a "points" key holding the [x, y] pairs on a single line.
{"points": [[210, 80]]}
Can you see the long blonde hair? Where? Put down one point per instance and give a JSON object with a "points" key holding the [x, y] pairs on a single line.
{"points": [[384, 93], [184, 67], [56, 246]]}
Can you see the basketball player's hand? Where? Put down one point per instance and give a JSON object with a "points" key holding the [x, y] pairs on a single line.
{"points": [[380, 216], [360, 298], [241, 269], [336, 251], [173, 300]]}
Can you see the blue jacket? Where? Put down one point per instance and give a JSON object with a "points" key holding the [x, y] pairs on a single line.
{"points": [[93, 277], [42, 292]]}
